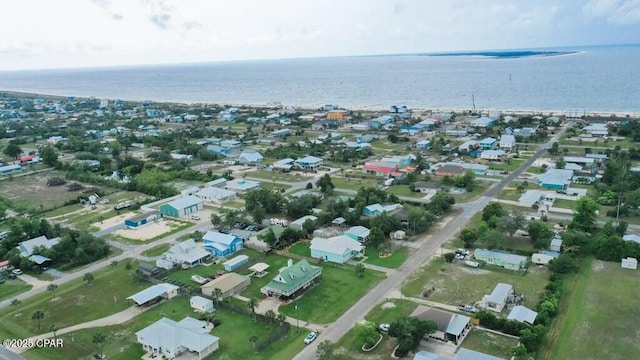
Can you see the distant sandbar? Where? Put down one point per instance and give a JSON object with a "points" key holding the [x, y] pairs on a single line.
{"points": [[507, 54]]}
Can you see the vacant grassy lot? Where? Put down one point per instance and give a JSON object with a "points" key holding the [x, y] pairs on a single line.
{"points": [[31, 193], [278, 176], [353, 183], [598, 315], [13, 287], [338, 290], [479, 189], [511, 165], [459, 284], [564, 203], [379, 315], [157, 250], [490, 343], [403, 190], [396, 259], [234, 332], [75, 302]]}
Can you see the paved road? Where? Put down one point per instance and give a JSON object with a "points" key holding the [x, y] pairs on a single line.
{"points": [[385, 288]]}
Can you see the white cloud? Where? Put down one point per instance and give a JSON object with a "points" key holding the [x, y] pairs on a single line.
{"points": [[619, 12]]}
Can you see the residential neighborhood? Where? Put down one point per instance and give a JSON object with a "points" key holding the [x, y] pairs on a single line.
{"points": [[158, 230]]}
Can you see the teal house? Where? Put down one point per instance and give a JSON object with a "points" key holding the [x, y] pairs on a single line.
{"points": [[504, 259], [182, 208]]}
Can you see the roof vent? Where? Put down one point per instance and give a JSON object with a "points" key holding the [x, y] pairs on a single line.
{"points": [[292, 276], [303, 268]]}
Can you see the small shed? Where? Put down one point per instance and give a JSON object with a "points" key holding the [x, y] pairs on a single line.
{"points": [[236, 262], [398, 235], [200, 304], [630, 263], [164, 264]]}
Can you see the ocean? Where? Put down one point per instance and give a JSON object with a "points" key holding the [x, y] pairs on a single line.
{"points": [[595, 79]]}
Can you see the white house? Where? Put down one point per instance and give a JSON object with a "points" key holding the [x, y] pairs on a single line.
{"points": [[241, 186], [200, 304], [186, 253], [497, 300], [338, 249], [250, 158], [492, 154], [297, 224], [168, 339], [215, 195], [507, 143], [522, 314]]}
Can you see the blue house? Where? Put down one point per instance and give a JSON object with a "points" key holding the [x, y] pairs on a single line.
{"points": [[555, 179], [338, 249], [365, 138], [221, 244], [377, 209], [488, 143], [483, 122], [423, 144], [310, 163], [219, 150], [248, 157]]}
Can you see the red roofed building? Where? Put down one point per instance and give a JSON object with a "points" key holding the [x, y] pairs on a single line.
{"points": [[25, 159], [382, 169], [450, 170]]}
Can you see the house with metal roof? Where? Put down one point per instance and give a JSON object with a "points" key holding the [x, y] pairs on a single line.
{"points": [[235, 262], [154, 294], [359, 233], [221, 244], [382, 169], [200, 304], [283, 165], [186, 253], [377, 209], [466, 354], [338, 249], [309, 163], [507, 143], [229, 284], [427, 355], [281, 133], [500, 258], [241, 186], [492, 155], [9, 169], [182, 207], [219, 183], [27, 247], [483, 122], [215, 195], [450, 170], [250, 157], [230, 144], [298, 223], [497, 300], [631, 237], [292, 279], [142, 219], [556, 243], [522, 314], [423, 144], [450, 327], [487, 143], [556, 179], [169, 339]]}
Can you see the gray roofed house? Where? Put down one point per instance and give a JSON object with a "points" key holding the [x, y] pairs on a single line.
{"points": [[154, 293], [359, 233], [187, 253], [466, 354], [500, 258], [631, 237], [522, 314], [220, 182], [497, 300], [26, 247], [338, 249], [556, 244], [427, 187], [297, 224], [168, 338], [39, 259], [215, 194], [450, 326]]}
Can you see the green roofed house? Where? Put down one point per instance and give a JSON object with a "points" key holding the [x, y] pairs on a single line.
{"points": [[182, 207], [292, 279]]}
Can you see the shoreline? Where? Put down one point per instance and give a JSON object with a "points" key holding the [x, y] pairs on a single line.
{"points": [[349, 107]]}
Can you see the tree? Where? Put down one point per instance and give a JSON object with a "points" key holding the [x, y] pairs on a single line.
{"points": [[253, 339], [360, 270], [53, 328], [252, 304], [49, 155], [281, 319], [138, 275], [216, 220], [554, 149], [326, 351], [469, 236], [563, 264], [99, 339], [12, 151], [491, 210], [37, 316], [308, 227], [270, 315], [585, 214], [15, 303], [560, 164], [52, 287], [217, 293], [511, 223], [325, 184], [449, 257], [367, 334], [88, 277], [376, 237], [491, 238], [539, 233]]}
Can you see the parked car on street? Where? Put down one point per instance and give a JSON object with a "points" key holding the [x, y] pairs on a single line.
{"points": [[310, 338], [468, 308]]}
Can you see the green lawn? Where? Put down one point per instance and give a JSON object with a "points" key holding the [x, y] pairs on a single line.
{"points": [[278, 176], [564, 203], [403, 190], [13, 287], [76, 302], [598, 316], [512, 165], [275, 263], [490, 343], [394, 261], [510, 194], [157, 250], [338, 290], [62, 210], [479, 189], [234, 331], [459, 284], [353, 183], [301, 248]]}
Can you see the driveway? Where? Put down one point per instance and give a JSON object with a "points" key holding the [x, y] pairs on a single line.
{"points": [[32, 281]]}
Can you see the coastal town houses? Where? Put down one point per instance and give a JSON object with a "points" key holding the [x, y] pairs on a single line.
{"points": [[221, 244], [292, 279]]}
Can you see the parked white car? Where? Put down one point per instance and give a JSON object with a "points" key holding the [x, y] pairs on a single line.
{"points": [[309, 339], [384, 327]]}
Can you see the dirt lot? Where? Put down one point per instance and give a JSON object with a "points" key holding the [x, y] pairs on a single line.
{"points": [[113, 221], [31, 191], [149, 231]]}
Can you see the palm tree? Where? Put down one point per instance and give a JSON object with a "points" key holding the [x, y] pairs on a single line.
{"points": [[99, 340], [53, 328], [138, 275], [52, 287], [218, 295], [360, 270], [37, 316], [15, 303], [253, 339], [252, 304], [281, 318], [88, 277], [271, 315]]}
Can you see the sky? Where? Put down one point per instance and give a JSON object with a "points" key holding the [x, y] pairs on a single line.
{"points": [[42, 34]]}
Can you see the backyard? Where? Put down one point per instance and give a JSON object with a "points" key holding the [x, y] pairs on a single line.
{"points": [[396, 259], [595, 307], [490, 343], [455, 283]]}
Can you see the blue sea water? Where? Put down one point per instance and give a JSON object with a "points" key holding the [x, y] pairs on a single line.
{"points": [[600, 79]]}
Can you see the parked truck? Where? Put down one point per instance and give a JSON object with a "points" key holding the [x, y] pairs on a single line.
{"points": [[121, 205]]}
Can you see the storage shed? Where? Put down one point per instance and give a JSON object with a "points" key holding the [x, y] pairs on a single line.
{"points": [[236, 262], [630, 263]]}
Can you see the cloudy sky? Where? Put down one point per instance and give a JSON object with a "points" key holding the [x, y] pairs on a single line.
{"points": [[90, 33]]}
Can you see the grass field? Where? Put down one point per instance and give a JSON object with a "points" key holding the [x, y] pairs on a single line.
{"points": [[234, 332], [157, 250], [339, 288], [490, 343], [30, 192], [564, 203], [75, 302], [459, 284], [513, 165], [598, 316], [479, 189], [184, 276], [278, 176], [13, 287], [394, 261], [353, 183], [403, 190]]}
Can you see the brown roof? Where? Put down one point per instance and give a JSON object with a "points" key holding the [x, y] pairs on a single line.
{"points": [[427, 185], [441, 318], [451, 169], [226, 282]]}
